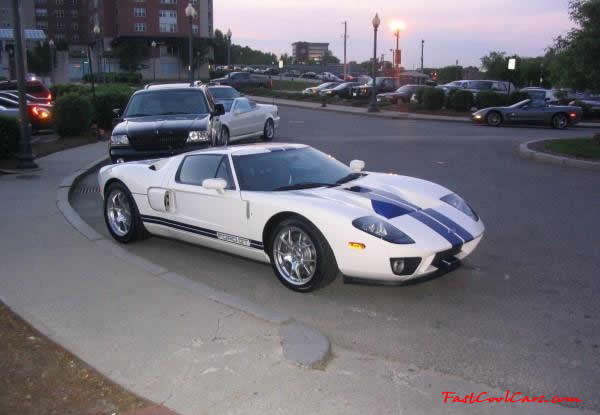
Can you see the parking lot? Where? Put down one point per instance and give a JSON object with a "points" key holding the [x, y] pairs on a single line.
{"points": [[522, 313]]}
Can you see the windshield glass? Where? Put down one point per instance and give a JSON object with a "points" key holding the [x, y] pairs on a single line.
{"points": [[282, 170], [406, 88], [520, 103], [481, 85], [224, 93], [167, 103]]}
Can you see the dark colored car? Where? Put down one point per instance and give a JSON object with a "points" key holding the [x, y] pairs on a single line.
{"points": [[342, 90], [163, 120], [240, 80], [309, 75], [530, 112], [401, 94], [33, 87], [224, 94], [39, 111], [383, 85]]}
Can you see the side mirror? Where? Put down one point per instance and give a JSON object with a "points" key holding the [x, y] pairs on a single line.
{"points": [[116, 112], [215, 184], [357, 165], [219, 109]]}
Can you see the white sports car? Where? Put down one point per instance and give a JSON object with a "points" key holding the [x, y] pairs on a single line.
{"points": [[306, 213]]}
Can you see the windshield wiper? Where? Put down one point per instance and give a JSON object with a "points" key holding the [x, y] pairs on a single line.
{"points": [[305, 185], [350, 177]]}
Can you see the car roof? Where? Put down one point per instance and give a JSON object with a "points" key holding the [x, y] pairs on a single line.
{"points": [[243, 150], [220, 87]]}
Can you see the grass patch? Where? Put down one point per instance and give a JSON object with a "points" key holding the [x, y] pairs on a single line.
{"points": [[579, 147]]}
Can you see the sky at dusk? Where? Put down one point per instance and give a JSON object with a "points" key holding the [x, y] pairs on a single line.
{"points": [[452, 29]]}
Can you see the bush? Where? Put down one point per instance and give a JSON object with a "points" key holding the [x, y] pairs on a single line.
{"points": [[588, 113], [72, 115], [10, 134], [433, 99], [517, 97], [460, 100], [419, 93], [486, 99], [64, 89], [106, 100]]}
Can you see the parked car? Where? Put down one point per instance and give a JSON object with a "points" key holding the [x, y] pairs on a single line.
{"points": [[328, 76], [271, 71], [307, 214], [224, 94], [343, 90], [240, 80], [247, 119], [309, 75], [452, 86], [39, 112], [541, 94], [32, 87], [530, 112], [316, 89], [500, 87], [167, 119], [401, 94], [384, 84]]}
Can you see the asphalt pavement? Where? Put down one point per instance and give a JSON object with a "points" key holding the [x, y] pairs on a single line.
{"points": [[521, 314]]}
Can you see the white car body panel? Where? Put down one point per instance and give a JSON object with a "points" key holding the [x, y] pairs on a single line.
{"points": [[234, 221], [248, 123]]}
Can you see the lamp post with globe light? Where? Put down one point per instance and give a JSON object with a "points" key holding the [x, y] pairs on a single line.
{"points": [[228, 47], [396, 27], [373, 103], [99, 68], [51, 50], [191, 13], [154, 60]]}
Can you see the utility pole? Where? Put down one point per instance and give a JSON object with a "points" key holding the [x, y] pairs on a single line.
{"points": [[422, 47], [25, 156], [345, 23]]}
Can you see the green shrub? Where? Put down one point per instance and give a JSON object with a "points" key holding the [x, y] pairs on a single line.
{"points": [[10, 133], [64, 89], [419, 93], [460, 100], [433, 98], [588, 113], [517, 97], [107, 99], [72, 115], [486, 99]]}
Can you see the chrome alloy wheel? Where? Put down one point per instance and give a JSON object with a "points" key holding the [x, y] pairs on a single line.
{"points": [[295, 255], [560, 121], [269, 130], [118, 212]]}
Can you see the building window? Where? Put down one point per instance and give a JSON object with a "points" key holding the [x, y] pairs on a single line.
{"points": [[75, 37], [168, 1], [59, 13], [75, 27], [168, 27], [140, 27], [40, 1], [74, 14], [139, 11], [195, 28], [195, 1], [74, 3], [42, 25], [167, 13], [60, 25], [41, 12], [59, 36], [60, 2]]}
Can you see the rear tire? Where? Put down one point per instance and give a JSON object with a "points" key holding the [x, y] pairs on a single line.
{"points": [[560, 121], [121, 214], [300, 256], [493, 119], [269, 130]]}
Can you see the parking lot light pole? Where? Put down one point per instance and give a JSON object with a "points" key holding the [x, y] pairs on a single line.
{"points": [[25, 156], [373, 103], [154, 60], [190, 12], [51, 51], [228, 47]]}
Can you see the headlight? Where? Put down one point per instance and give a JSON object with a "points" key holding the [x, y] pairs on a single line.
{"points": [[119, 140], [197, 136], [459, 203], [382, 230]]}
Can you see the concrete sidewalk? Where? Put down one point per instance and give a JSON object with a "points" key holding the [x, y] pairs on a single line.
{"points": [[381, 114], [161, 336]]}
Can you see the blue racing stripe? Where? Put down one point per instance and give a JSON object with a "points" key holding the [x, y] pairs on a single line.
{"points": [[389, 210], [438, 227], [460, 231]]}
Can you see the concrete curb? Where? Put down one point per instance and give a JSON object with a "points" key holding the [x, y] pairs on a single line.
{"points": [[302, 345], [526, 153]]}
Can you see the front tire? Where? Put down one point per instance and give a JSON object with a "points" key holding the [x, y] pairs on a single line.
{"points": [[121, 214], [224, 136], [560, 121], [494, 119], [269, 130], [300, 256]]}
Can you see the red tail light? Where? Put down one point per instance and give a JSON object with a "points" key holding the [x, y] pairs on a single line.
{"points": [[573, 115], [49, 96], [40, 112]]}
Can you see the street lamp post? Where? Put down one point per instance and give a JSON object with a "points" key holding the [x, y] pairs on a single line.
{"points": [[397, 26], [96, 31], [51, 50], [228, 47], [373, 103], [191, 13], [154, 60]]}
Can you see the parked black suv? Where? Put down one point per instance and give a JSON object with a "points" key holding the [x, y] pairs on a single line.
{"points": [[163, 120]]}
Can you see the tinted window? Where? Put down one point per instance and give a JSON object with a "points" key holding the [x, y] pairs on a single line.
{"points": [[167, 102], [481, 85], [195, 169], [242, 105], [224, 93], [8, 103], [275, 169]]}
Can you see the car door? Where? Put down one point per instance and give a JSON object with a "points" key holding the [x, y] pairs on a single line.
{"points": [[205, 212], [257, 117], [241, 118]]}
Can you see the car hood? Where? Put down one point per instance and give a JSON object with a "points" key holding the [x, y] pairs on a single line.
{"points": [[162, 125]]}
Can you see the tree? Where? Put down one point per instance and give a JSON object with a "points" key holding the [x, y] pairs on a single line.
{"points": [[131, 53], [573, 59], [38, 59]]}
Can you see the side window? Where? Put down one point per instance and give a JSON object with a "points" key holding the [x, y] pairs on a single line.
{"points": [[197, 168], [242, 105], [209, 98]]}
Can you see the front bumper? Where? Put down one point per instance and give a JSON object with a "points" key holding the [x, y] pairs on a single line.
{"points": [[478, 119], [131, 154]]}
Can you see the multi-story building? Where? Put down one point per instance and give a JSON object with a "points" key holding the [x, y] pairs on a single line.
{"points": [[62, 20], [304, 52]]}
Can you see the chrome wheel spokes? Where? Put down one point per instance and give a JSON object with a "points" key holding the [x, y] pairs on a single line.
{"points": [[295, 255], [118, 212]]}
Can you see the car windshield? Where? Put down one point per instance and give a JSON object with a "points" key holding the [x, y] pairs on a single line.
{"points": [[224, 93], [405, 88], [520, 103], [279, 170], [326, 85], [167, 102]]}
